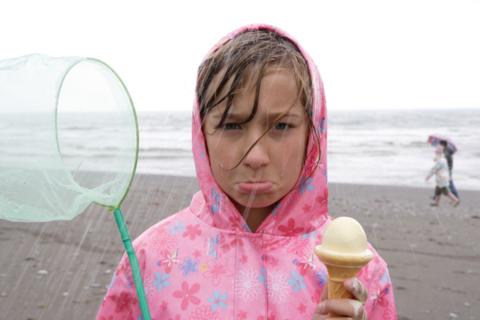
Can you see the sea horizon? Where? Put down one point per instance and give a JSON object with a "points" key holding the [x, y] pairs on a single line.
{"points": [[385, 147]]}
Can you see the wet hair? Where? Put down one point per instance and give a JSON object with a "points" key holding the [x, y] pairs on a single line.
{"points": [[244, 60]]}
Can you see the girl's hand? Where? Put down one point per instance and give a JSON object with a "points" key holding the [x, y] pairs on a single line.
{"points": [[348, 308]]}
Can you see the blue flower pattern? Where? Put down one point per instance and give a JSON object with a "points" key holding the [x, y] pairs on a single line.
{"points": [[161, 280], [262, 277], [321, 125], [189, 266], [218, 300], [296, 281], [213, 245], [385, 279], [309, 235], [216, 201], [321, 277], [177, 228], [306, 185]]}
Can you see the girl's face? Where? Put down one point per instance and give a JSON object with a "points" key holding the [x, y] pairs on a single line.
{"points": [[272, 166]]}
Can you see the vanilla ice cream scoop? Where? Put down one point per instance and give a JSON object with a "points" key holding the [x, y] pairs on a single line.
{"points": [[344, 242], [344, 251]]}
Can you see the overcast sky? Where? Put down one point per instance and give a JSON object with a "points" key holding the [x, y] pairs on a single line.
{"points": [[371, 54]]}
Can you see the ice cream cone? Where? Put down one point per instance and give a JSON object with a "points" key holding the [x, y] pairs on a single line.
{"points": [[344, 251]]}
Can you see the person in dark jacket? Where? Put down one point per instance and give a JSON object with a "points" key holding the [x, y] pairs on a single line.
{"points": [[449, 156]]}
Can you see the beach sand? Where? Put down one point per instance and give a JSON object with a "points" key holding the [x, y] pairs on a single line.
{"points": [[60, 270]]}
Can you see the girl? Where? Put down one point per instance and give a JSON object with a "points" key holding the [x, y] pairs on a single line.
{"points": [[442, 178], [243, 249]]}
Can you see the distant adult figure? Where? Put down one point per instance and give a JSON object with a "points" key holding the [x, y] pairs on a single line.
{"points": [[449, 157], [441, 173]]}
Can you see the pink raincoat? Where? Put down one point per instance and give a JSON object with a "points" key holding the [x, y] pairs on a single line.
{"points": [[205, 263]]}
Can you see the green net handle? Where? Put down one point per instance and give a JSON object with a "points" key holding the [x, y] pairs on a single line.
{"points": [[137, 278]]}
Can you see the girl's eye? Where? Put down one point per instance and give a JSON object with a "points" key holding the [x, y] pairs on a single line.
{"points": [[231, 126], [282, 126]]}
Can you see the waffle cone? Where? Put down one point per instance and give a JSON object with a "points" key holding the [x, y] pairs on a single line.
{"points": [[336, 276]]}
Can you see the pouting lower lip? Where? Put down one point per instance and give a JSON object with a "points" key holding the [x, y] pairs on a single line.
{"points": [[257, 187]]}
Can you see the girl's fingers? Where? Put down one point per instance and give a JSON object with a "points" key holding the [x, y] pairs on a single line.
{"points": [[357, 289], [325, 293], [350, 309]]}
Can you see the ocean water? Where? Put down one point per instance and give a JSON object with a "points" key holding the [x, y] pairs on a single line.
{"points": [[366, 147]]}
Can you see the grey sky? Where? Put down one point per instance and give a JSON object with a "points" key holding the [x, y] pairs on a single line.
{"points": [[371, 54]]}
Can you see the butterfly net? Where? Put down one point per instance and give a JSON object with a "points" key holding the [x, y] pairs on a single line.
{"points": [[69, 137]]}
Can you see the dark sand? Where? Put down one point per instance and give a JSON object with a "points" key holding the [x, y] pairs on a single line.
{"points": [[60, 270]]}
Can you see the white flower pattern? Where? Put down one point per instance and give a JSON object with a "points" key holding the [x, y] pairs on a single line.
{"points": [[278, 287], [248, 286]]}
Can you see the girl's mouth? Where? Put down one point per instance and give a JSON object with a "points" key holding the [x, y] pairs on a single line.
{"points": [[257, 187]]}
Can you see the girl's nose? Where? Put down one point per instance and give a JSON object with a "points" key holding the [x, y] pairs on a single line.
{"points": [[257, 157]]}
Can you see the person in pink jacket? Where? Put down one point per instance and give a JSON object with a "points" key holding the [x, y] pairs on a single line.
{"points": [[244, 247]]}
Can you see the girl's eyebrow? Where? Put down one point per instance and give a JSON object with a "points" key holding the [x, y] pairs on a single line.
{"points": [[271, 116]]}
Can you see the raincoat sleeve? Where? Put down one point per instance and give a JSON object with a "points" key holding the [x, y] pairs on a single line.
{"points": [[381, 301], [121, 302]]}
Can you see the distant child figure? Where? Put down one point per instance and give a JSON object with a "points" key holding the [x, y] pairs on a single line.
{"points": [[442, 177]]}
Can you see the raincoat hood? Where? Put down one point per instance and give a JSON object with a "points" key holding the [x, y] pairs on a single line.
{"points": [[204, 263], [305, 207]]}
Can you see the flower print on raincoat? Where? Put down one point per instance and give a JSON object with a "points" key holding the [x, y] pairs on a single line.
{"points": [[204, 263]]}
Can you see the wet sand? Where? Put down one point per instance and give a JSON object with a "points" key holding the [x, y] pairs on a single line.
{"points": [[60, 270]]}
